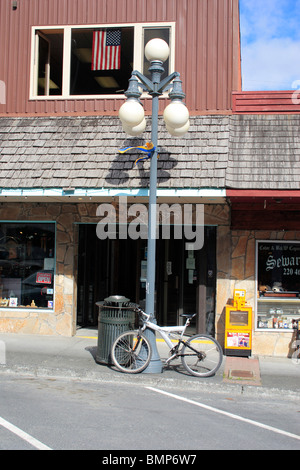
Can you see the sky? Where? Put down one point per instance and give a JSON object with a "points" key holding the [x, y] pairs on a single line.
{"points": [[270, 40]]}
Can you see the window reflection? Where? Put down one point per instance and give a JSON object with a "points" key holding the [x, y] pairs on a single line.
{"points": [[27, 265]]}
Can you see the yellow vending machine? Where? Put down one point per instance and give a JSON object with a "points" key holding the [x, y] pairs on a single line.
{"points": [[238, 326]]}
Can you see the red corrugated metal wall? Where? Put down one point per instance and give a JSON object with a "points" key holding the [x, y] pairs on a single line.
{"points": [[207, 48]]}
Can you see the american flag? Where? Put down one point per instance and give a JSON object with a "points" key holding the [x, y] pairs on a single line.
{"points": [[106, 49]]}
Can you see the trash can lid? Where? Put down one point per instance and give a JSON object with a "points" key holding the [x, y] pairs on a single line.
{"points": [[117, 299]]}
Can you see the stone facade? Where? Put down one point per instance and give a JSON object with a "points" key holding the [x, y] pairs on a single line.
{"points": [[61, 320], [235, 269]]}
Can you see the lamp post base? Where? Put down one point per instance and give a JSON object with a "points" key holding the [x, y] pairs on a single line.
{"points": [[155, 366]]}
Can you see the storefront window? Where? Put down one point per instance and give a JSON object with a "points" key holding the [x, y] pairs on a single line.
{"points": [[95, 60], [27, 265], [278, 277]]}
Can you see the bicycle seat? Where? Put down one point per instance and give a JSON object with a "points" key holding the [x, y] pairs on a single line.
{"points": [[188, 315]]}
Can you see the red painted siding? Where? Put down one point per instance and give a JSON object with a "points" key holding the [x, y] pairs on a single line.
{"points": [[264, 209], [207, 48], [264, 102], [265, 220]]}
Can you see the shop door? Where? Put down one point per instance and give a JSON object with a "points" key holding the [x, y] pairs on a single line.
{"points": [[105, 267], [186, 283], [206, 285]]}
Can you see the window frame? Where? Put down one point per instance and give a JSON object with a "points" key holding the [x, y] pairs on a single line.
{"points": [[278, 302], [38, 37], [138, 56]]}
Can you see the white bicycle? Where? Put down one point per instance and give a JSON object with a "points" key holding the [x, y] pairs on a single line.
{"points": [[201, 355]]}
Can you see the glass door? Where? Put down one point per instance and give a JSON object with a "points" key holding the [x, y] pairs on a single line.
{"points": [[186, 283], [105, 268], [185, 280]]}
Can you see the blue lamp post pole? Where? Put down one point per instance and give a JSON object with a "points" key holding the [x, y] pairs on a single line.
{"points": [[155, 88]]}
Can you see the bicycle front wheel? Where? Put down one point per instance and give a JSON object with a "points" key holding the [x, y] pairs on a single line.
{"points": [[131, 352], [202, 355]]}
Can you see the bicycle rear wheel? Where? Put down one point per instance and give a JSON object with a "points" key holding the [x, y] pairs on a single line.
{"points": [[131, 352], [202, 355]]}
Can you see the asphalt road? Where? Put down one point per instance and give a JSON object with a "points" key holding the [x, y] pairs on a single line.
{"points": [[120, 419]]}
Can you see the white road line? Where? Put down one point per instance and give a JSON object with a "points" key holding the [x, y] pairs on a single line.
{"points": [[23, 435], [225, 413]]}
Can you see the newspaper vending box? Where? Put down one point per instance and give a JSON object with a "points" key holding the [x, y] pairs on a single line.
{"points": [[238, 326]]}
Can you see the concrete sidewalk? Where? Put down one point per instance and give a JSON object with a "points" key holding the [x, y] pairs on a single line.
{"points": [[74, 358]]}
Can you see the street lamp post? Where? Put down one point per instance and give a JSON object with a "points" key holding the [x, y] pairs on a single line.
{"points": [[176, 117]]}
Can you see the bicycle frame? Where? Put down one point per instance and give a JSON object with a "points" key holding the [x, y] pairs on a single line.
{"points": [[168, 332], [200, 354]]}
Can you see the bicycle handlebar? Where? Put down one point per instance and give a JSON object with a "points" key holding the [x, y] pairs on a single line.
{"points": [[142, 313], [188, 316]]}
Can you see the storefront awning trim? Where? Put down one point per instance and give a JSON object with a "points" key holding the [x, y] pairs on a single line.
{"points": [[78, 193]]}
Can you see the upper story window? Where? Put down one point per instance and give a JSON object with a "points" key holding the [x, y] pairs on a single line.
{"points": [[79, 61]]}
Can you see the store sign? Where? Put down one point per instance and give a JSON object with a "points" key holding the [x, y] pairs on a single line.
{"points": [[43, 278], [281, 260], [282, 256], [278, 276]]}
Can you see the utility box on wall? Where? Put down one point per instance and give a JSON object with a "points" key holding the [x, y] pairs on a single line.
{"points": [[238, 326]]}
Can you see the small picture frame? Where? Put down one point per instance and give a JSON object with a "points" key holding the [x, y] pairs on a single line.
{"points": [[13, 302]]}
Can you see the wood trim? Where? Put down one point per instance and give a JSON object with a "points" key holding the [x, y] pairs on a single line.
{"points": [[265, 220], [266, 102], [264, 194]]}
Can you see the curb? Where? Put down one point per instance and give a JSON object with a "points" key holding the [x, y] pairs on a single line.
{"points": [[144, 380]]}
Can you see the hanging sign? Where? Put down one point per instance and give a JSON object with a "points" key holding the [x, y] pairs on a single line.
{"points": [[43, 278], [147, 148]]}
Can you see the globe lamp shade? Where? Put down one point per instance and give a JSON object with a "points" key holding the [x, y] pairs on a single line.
{"points": [[131, 113], [157, 49], [176, 114], [135, 130], [179, 131]]}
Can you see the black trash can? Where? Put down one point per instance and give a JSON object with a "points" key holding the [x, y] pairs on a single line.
{"points": [[116, 314]]}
